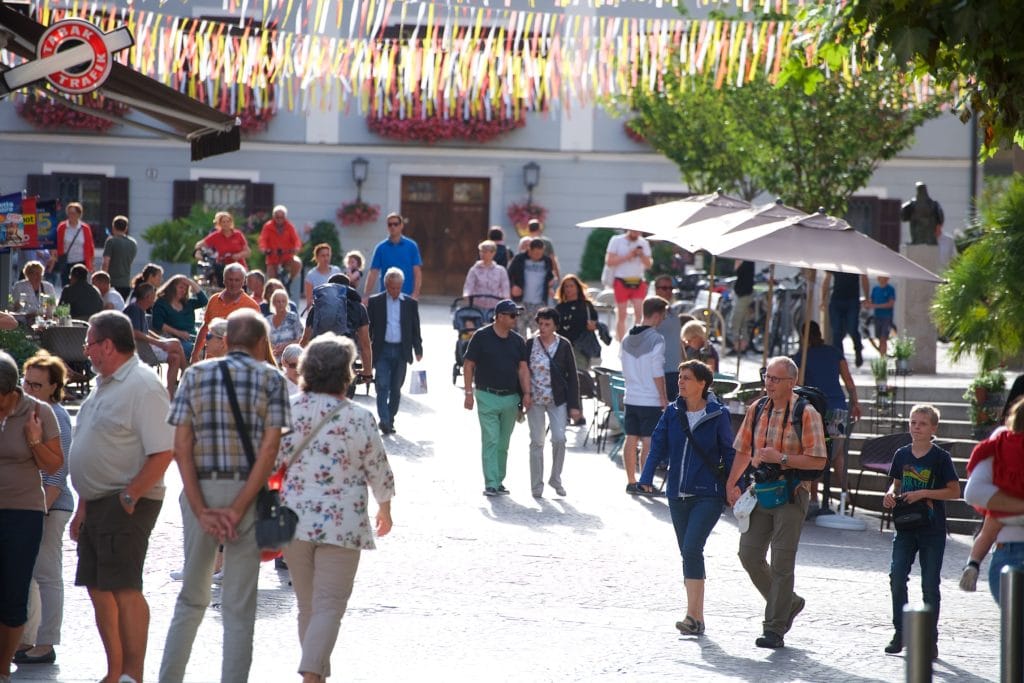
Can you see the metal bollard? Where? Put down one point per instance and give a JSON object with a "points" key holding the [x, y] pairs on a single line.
{"points": [[1011, 606], [918, 638]]}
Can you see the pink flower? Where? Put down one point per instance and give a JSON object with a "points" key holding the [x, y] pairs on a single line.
{"points": [[357, 213]]}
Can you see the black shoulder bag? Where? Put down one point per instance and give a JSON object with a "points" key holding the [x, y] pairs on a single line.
{"points": [[275, 523], [587, 342], [913, 516], [717, 469]]}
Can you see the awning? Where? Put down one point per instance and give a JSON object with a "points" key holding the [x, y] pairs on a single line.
{"points": [[210, 132]]}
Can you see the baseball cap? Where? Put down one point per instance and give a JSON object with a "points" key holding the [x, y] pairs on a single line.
{"points": [[507, 306], [743, 507]]}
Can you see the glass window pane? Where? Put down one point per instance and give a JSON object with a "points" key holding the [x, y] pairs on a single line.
{"points": [[468, 192], [225, 197], [421, 191]]}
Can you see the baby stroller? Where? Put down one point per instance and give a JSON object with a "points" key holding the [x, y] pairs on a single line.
{"points": [[467, 318]]}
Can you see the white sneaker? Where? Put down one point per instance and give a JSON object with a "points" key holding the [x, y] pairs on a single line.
{"points": [[125, 678], [969, 579], [177, 575], [218, 577]]}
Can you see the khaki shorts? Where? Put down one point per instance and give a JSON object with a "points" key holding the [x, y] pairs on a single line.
{"points": [[112, 544]]}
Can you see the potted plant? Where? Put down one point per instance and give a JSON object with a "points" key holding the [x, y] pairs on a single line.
{"points": [[63, 314], [985, 396], [17, 343], [903, 349], [880, 372]]}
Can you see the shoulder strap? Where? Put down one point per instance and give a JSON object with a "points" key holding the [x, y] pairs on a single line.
{"points": [[77, 233], [758, 407], [239, 421], [798, 418], [701, 453]]}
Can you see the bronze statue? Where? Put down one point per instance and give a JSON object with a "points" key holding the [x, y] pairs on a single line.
{"points": [[925, 217]]}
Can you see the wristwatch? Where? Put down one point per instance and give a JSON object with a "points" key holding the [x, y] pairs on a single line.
{"points": [[784, 459], [127, 498]]}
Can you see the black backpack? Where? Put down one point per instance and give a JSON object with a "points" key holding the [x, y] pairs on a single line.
{"points": [[805, 395], [331, 310]]}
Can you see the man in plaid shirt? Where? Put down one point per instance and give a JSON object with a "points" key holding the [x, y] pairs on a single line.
{"points": [[773, 441], [220, 490]]}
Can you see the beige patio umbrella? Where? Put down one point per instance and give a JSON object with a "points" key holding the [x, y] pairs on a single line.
{"points": [[816, 242], [658, 217]]}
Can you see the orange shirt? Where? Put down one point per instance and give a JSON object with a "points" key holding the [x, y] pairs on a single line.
{"points": [[272, 240], [218, 308]]}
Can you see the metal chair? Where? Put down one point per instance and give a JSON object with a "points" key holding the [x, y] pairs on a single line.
{"points": [[68, 344], [602, 402], [876, 456], [618, 392], [147, 356]]}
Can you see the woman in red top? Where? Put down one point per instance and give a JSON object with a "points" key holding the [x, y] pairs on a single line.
{"points": [[229, 243], [75, 243]]}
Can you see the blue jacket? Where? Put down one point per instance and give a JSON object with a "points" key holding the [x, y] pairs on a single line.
{"points": [[687, 472]]}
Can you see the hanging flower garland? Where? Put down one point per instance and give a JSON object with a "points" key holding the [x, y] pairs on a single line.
{"points": [[357, 213], [47, 114], [435, 129], [522, 214], [632, 133]]}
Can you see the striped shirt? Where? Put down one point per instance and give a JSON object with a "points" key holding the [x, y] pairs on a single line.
{"points": [[202, 402]]}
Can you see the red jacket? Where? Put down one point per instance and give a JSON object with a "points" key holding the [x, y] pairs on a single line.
{"points": [[85, 237]]}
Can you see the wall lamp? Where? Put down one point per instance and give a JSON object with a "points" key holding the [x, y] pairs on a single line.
{"points": [[531, 177], [360, 169]]}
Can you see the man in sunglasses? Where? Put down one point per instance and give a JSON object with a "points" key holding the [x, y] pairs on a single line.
{"points": [[397, 251], [769, 442], [496, 360]]}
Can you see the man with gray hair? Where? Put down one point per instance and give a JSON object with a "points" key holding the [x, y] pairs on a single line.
{"points": [[781, 438], [223, 303], [395, 337], [119, 453], [280, 242], [220, 485]]}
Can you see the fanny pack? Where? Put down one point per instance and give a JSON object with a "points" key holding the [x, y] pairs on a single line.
{"points": [[772, 494], [630, 282]]}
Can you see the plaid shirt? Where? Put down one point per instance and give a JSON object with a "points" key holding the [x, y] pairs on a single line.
{"points": [[772, 432], [202, 401]]}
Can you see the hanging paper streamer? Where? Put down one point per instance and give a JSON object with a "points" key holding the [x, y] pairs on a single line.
{"points": [[450, 61]]}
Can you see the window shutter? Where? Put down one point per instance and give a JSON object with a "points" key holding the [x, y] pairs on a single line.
{"points": [[186, 195], [43, 186], [889, 223], [115, 203], [261, 198]]}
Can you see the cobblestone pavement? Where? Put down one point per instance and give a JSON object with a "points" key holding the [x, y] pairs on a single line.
{"points": [[585, 587]]}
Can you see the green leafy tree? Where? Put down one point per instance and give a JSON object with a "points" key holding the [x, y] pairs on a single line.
{"points": [[981, 305], [814, 150], [324, 231], [173, 240], [971, 46]]}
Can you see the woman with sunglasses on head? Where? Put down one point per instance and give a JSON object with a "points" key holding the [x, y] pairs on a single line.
{"points": [[44, 378], [290, 367]]}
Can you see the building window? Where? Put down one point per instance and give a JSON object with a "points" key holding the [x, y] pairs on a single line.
{"points": [[101, 197], [241, 197]]}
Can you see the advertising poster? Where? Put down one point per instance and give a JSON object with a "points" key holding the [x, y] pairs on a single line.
{"points": [[46, 224], [12, 222]]}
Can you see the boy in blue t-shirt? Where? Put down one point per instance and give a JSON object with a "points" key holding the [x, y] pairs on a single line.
{"points": [[883, 300], [920, 472]]}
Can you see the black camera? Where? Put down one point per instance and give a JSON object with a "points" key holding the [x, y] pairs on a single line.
{"points": [[766, 472]]}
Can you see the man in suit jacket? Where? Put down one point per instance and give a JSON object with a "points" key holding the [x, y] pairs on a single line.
{"points": [[395, 337]]}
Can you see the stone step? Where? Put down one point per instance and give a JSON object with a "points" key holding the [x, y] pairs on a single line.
{"points": [[958, 448], [961, 518], [914, 394]]}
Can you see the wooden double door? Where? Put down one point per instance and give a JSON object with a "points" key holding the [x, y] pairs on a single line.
{"points": [[448, 218]]}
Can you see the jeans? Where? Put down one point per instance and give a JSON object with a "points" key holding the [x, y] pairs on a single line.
{"points": [[1006, 555], [556, 418], [844, 319], [20, 534], [238, 590], [929, 545], [497, 416], [693, 518], [389, 368]]}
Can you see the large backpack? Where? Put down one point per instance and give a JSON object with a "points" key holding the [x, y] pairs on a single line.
{"points": [[805, 395], [331, 310]]}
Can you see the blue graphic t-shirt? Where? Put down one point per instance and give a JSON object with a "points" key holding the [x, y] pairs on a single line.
{"points": [[914, 474], [883, 295]]}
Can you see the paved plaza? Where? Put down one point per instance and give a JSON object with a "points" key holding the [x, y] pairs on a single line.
{"points": [[581, 588]]}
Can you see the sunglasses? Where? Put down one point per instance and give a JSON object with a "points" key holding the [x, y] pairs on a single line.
{"points": [[511, 315], [392, 224]]}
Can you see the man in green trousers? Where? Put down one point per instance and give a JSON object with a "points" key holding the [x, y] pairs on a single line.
{"points": [[496, 360]]}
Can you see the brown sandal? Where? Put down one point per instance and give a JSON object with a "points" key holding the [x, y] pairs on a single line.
{"points": [[690, 626]]}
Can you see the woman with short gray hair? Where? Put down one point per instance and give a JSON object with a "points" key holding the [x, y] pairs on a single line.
{"points": [[290, 367], [333, 454]]}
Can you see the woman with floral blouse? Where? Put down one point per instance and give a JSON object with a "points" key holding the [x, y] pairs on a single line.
{"points": [[326, 485]]}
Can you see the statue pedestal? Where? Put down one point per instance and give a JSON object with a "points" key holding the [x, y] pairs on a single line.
{"points": [[914, 303]]}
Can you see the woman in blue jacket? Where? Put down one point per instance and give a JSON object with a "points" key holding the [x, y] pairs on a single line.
{"points": [[694, 437]]}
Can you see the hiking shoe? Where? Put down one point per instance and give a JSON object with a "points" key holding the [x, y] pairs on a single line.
{"points": [[690, 626], [969, 579], [895, 645], [770, 640], [798, 607], [502, 491], [490, 491]]}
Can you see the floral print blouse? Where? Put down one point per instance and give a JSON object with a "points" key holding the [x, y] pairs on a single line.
{"points": [[327, 483]]}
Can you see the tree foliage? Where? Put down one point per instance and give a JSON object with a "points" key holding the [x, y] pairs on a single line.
{"points": [[173, 240], [814, 150], [973, 46], [981, 306]]}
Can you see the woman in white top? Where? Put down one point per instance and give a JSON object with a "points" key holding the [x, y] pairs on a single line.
{"points": [[33, 288], [333, 454], [323, 271]]}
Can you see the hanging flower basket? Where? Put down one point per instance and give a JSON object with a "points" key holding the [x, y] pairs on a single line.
{"points": [[521, 214], [357, 213], [255, 120], [434, 129], [46, 114], [632, 133]]}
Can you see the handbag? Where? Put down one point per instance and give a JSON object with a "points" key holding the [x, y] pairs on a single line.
{"points": [[275, 523], [913, 516], [587, 343]]}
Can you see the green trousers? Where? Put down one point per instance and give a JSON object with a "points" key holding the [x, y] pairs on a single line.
{"points": [[497, 415]]}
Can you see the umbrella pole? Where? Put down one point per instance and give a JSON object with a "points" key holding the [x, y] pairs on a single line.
{"points": [[809, 279], [766, 337], [711, 285]]}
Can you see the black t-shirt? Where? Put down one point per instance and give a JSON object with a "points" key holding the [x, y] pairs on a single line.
{"points": [[933, 470], [573, 317], [744, 284], [845, 287], [83, 298], [497, 359]]}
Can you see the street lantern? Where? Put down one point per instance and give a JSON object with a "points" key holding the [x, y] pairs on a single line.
{"points": [[531, 177], [360, 169]]}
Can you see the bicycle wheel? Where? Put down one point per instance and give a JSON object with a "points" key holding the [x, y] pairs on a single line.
{"points": [[713, 321]]}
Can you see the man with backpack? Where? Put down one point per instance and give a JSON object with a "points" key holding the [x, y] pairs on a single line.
{"points": [[339, 308], [783, 440]]}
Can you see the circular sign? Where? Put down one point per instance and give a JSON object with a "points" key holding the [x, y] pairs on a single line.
{"points": [[68, 34]]}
